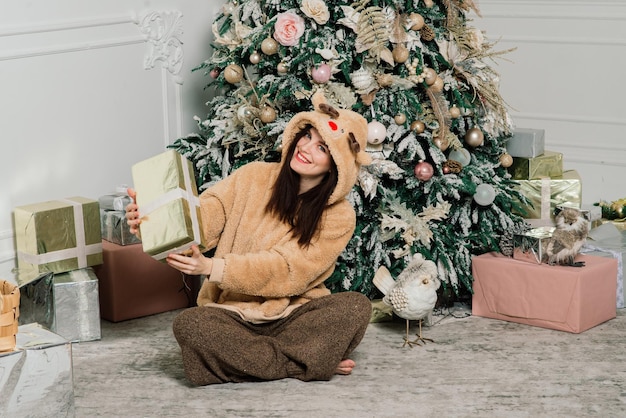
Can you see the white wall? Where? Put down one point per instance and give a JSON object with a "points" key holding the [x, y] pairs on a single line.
{"points": [[87, 88], [79, 104], [567, 77]]}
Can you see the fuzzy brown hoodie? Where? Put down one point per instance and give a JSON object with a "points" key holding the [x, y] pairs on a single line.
{"points": [[259, 270]]}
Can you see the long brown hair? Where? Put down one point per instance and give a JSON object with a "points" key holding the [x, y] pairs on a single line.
{"points": [[302, 211]]}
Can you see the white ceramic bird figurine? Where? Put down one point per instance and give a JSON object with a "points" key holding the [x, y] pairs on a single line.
{"points": [[412, 296], [567, 239]]}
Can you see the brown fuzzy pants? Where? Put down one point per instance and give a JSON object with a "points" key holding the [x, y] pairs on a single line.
{"points": [[218, 346]]}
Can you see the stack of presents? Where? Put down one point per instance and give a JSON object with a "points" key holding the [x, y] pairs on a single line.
{"points": [[78, 263], [522, 286]]}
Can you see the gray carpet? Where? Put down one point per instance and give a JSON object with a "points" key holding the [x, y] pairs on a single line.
{"points": [[476, 367]]}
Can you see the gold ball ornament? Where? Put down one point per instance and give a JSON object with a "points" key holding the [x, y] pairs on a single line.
{"points": [[506, 160], [269, 46], [418, 126], [455, 112], [268, 114], [430, 76], [441, 143], [418, 21], [400, 118], [282, 68], [400, 53], [437, 86], [255, 58], [233, 73], [474, 137]]}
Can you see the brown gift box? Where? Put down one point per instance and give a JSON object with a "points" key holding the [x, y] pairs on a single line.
{"points": [[132, 284], [558, 297]]}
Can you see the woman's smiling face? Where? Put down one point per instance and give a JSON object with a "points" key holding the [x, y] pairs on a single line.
{"points": [[311, 159]]}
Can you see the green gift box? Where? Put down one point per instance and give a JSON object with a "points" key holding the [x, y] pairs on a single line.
{"points": [[169, 206], [545, 194], [58, 235], [548, 164]]}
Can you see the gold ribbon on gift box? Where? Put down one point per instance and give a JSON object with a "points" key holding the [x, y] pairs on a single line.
{"points": [[545, 193]]}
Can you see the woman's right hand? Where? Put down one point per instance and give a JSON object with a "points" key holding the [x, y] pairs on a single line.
{"points": [[132, 213]]}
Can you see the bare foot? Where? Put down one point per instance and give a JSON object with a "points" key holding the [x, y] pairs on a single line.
{"points": [[345, 367]]}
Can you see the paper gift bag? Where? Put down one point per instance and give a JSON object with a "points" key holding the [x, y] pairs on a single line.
{"points": [[168, 204], [9, 313], [58, 235]]}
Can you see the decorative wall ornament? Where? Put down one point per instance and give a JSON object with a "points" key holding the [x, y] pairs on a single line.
{"points": [[163, 31]]}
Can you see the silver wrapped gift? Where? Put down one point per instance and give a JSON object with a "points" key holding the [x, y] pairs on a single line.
{"points": [[77, 307], [115, 229], [116, 201], [36, 295], [530, 245], [36, 378], [526, 143]]}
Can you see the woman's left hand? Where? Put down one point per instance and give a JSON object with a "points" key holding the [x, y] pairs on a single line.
{"points": [[194, 265]]}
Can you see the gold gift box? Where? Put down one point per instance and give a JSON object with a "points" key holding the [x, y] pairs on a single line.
{"points": [[546, 193], [58, 235], [169, 206], [548, 164]]}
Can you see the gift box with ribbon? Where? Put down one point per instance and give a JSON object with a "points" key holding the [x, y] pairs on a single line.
{"points": [[531, 245], [115, 228], [168, 203], [545, 194], [58, 235], [548, 164]]}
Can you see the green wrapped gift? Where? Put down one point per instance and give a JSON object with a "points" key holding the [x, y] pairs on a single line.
{"points": [[58, 235], [546, 193], [548, 164], [169, 206]]}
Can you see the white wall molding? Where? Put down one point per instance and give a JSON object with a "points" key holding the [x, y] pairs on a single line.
{"points": [[163, 31], [571, 118], [19, 42]]}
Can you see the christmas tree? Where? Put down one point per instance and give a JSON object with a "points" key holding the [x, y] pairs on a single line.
{"points": [[420, 75]]}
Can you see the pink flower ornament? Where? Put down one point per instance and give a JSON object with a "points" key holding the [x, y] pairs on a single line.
{"points": [[289, 27]]}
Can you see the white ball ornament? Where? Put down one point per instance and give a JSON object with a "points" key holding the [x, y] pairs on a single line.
{"points": [[461, 155], [484, 195], [376, 132]]}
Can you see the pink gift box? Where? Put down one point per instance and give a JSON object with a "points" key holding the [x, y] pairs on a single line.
{"points": [[571, 299]]}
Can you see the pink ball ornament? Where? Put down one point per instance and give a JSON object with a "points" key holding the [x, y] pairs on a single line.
{"points": [[215, 72], [321, 74], [376, 132], [423, 171]]}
